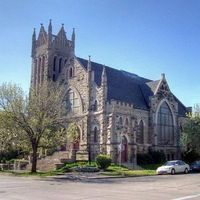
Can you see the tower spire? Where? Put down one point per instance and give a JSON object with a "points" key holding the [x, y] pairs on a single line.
{"points": [[103, 76], [73, 37], [49, 34], [89, 64], [50, 27], [73, 34], [33, 43]]}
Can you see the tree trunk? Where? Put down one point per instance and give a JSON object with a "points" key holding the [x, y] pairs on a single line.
{"points": [[34, 157]]}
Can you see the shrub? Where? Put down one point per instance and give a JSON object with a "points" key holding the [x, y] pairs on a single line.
{"points": [[153, 157], [103, 161], [85, 169], [190, 156], [158, 157], [144, 159], [5, 156]]}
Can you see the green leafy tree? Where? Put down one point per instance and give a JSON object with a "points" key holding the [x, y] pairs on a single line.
{"points": [[191, 132], [34, 120], [73, 134]]}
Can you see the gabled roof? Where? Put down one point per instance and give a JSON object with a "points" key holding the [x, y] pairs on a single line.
{"points": [[153, 85], [126, 87]]}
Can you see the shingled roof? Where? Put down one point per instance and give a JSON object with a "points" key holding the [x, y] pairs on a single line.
{"points": [[127, 87]]}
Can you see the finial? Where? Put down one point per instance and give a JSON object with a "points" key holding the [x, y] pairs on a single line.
{"points": [[50, 20], [41, 24], [50, 27], [104, 70], [34, 34], [103, 76], [33, 31], [73, 35], [163, 75], [62, 25], [89, 63]]}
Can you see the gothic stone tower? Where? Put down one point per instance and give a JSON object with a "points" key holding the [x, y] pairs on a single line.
{"points": [[53, 59], [49, 54]]}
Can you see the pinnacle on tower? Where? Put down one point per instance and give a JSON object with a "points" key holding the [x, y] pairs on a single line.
{"points": [[50, 27], [49, 34], [73, 38], [89, 68], [163, 76], [103, 76], [73, 35], [62, 34], [34, 35], [33, 43], [42, 37]]}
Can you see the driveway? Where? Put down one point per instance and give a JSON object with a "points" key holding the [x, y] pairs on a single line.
{"points": [[165, 187]]}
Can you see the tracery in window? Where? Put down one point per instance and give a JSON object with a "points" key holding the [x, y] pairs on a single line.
{"points": [[54, 64], [60, 65], [72, 102], [165, 126], [126, 121], [120, 121], [71, 72], [140, 133], [95, 134]]}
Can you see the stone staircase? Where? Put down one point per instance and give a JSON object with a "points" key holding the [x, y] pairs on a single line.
{"points": [[56, 160]]}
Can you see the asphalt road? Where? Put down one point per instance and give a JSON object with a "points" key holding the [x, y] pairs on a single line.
{"points": [[165, 187]]}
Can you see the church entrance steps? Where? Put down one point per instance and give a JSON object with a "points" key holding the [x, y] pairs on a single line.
{"points": [[55, 161]]}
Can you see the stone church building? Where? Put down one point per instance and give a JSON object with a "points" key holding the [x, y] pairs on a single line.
{"points": [[117, 112]]}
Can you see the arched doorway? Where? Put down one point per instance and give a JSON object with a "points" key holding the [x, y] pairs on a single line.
{"points": [[124, 150]]}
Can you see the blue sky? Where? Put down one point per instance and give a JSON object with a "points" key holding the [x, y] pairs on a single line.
{"points": [[146, 37]]}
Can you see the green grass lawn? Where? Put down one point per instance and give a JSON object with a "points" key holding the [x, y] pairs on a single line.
{"points": [[115, 170], [37, 174]]}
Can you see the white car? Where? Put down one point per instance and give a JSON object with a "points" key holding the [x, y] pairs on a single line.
{"points": [[173, 166]]}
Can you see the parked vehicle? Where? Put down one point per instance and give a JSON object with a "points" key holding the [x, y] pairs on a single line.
{"points": [[195, 166], [173, 167]]}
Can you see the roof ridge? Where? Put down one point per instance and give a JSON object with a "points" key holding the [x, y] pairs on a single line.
{"points": [[126, 73]]}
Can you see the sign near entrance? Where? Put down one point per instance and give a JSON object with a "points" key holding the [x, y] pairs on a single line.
{"points": [[80, 156]]}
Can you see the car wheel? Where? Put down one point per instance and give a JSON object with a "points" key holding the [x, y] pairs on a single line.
{"points": [[186, 171], [173, 171]]}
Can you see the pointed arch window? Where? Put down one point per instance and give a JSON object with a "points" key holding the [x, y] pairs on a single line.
{"points": [[71, 72], [54, 77], [72, 102], [54, 63], [95, 106], [42, 70], [60, 65], [120, 121], [35, 71], [165, 125], [140, 133], [95, 135], [126, 122], [39, 70]]}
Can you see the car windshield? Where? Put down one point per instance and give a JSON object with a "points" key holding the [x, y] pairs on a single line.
{"points": [[169, 163], [196, 162]]}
